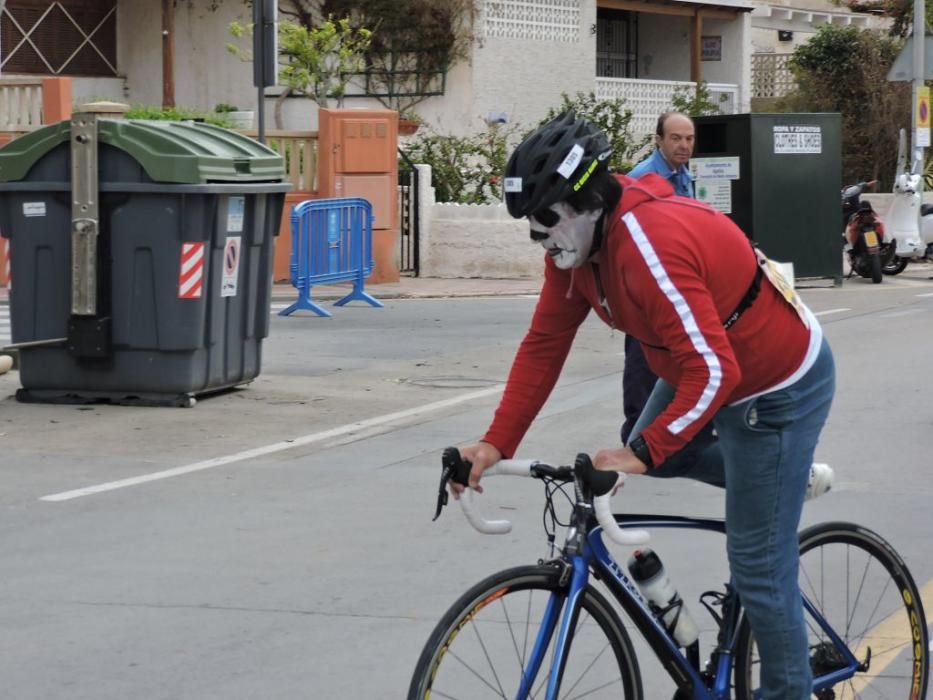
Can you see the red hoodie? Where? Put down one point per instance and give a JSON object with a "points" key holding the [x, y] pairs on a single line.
{"points": [[671, 270]]}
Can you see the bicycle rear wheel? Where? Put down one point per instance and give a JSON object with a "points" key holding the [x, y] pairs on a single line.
{"points": [[481, 646], [863, 589]]}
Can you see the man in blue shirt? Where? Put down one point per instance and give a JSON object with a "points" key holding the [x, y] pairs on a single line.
{"points": [[674, 137]]}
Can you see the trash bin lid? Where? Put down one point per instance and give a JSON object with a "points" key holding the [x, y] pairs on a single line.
{"points": [[169, 151]]}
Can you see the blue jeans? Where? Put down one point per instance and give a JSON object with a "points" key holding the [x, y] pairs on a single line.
{"points": [[763, 456]]}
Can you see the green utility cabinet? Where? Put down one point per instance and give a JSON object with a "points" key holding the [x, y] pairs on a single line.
{"points": [[778, 176], [141, 258]]}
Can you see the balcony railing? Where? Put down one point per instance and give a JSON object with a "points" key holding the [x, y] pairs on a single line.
{"points": [[649, 98], [20, 104], [299, 149]]}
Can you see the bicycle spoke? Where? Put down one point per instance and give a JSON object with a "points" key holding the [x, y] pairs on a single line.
{"points": [[858, 590], [858, 595], [596, 689], [585, 670], [443, 695], [492, 668], [527, 626], [472, 670], [508, 623]]}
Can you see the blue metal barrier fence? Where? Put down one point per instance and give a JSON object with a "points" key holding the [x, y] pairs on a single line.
{"points": [[332, 241]]}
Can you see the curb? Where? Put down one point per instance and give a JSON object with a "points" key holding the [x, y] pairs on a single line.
{"points": [[282, 299]]}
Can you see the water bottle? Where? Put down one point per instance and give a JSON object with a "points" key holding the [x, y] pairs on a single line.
{"points": [[648, 572]]}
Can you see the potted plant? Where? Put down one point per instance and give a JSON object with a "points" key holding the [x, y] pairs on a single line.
{"points": [[239, 118], [408, 122]]}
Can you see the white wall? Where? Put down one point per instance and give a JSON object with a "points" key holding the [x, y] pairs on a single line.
{"points": [[470, 240], [663, 47], [525, 77], [729, 68], [205, 73], [92, 89]]}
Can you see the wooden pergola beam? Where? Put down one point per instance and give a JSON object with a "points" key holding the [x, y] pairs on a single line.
{"points": [[662, 9], [696, 32]]}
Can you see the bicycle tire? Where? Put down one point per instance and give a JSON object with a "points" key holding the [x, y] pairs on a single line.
{"points": [[489, 610], [890, 620]]}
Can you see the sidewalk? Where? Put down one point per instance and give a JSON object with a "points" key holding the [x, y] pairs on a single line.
{"points": [[405, 288]]}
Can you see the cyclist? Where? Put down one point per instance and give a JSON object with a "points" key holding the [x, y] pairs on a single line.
{"points": [[729, 339]]}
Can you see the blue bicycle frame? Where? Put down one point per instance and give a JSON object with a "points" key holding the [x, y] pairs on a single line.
{"points": [[563, 609]]}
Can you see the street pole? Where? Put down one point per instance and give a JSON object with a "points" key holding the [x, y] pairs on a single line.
{"points": [[918, 140], [261, 113], [265, 54]]}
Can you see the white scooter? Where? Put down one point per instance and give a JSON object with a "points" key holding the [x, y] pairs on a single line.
{"points": [[912, 230]]}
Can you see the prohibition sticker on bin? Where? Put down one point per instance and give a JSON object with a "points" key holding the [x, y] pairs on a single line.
{"points": [[33, 208], [235, 208], [228, 282]]}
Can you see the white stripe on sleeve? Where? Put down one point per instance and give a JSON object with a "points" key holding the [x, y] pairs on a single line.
{"points": [[687, 320]]}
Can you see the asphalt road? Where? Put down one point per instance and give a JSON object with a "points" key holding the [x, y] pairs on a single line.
{"points": [[290, 553]]}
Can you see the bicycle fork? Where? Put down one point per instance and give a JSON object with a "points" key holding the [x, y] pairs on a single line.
{"points": [[561, 613]]}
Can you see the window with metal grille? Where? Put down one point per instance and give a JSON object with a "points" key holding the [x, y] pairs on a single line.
{"points": [[616, 43], [66, 37]]}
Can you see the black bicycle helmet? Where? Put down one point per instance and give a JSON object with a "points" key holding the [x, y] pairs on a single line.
{"points": [[553, 163]]}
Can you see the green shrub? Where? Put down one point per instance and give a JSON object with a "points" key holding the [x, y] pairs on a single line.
{"points": [[465, 169], [612, 118], [469, 169], [844, 69], [696, 102], [176, 114]]}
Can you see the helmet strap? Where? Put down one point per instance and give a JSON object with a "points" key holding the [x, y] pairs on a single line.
{"points": [[597, 235]]}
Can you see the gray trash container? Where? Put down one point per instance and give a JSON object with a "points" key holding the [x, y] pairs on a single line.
{"points": [[146, 277]]}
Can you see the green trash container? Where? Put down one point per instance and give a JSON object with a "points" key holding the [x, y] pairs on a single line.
{"points": [[778, 176], [141, 258]]}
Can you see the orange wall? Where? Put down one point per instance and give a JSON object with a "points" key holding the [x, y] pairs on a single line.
{"points": [[281, 272]]}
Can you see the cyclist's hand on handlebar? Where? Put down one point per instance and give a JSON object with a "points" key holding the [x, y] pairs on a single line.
{"points": [[482, 455], [620, 460]]}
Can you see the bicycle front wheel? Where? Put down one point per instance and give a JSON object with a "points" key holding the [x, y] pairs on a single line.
{"points": [[482, 646], [862, 588]]}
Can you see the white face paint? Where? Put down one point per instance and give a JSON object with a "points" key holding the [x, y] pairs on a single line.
{"points": [[568, 241]]}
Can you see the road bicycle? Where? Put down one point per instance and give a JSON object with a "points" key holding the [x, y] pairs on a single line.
{"points": [[546, 630]]}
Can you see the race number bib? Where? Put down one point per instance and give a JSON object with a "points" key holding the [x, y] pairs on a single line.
{"points": [[780, 283]]}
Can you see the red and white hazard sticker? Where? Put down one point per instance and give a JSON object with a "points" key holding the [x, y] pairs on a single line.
{"points": [[5, 261], [191, 272]]}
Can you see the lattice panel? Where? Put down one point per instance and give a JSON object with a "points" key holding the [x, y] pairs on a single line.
{"points": [[771, 76], [649, 98], [62, 37], [538, 20]]}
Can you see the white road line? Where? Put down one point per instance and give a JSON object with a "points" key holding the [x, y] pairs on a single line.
{"points": [[273, 448], [904, 312], [879, 638], [830, 311], [928, 294]]}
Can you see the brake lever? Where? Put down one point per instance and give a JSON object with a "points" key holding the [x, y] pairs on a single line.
{"points": [[456, 468]]}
